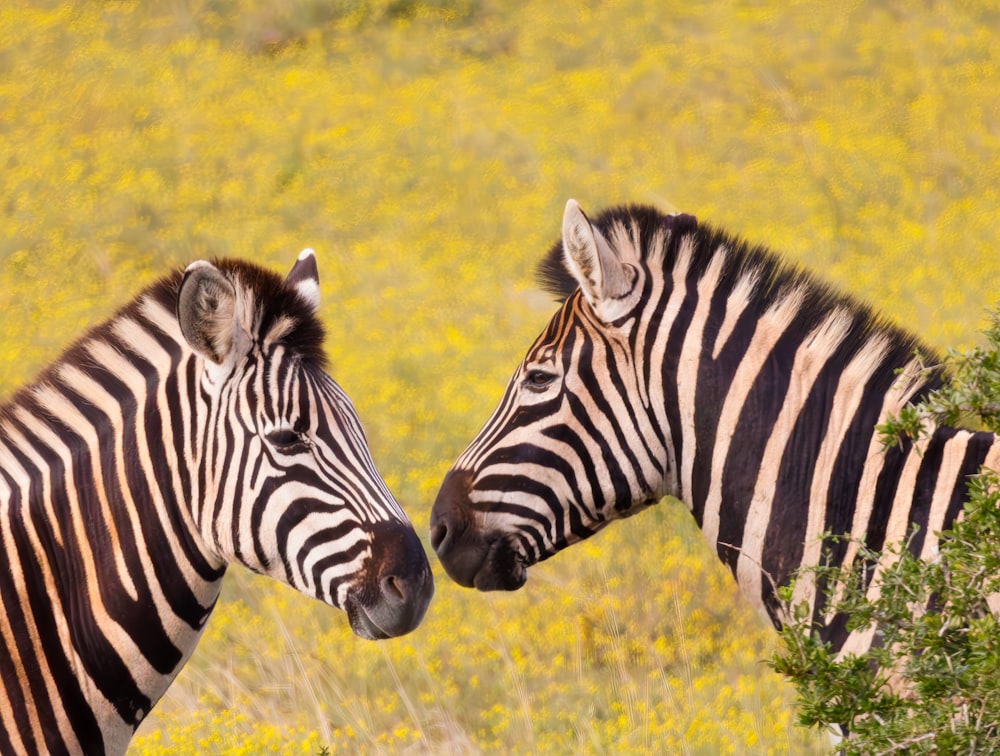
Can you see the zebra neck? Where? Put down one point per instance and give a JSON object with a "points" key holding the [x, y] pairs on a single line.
{"points": [[770, 408], [778, 445]]}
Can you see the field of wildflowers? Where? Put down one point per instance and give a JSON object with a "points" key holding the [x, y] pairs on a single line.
{"points": [[425, 148]]}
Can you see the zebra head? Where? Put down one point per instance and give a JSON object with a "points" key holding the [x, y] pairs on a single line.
{"points": [[572, 444], [284, 480]]}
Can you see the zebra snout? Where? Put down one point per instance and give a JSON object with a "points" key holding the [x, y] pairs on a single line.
{"points": [[399, 588]]}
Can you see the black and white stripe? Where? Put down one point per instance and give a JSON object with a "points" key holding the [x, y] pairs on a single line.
{"points": [[195, 428], [684, 362]]}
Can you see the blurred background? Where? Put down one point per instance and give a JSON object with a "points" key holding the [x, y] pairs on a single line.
{"points": [[425, 149]]}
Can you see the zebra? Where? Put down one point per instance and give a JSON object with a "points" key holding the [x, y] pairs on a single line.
{"points": [[686, 362], [195, 428]]}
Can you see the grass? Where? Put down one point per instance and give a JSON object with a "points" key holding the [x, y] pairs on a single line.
{"points": [[426, 149]]}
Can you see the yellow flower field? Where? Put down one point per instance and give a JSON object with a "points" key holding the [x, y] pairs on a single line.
{"points": [[425, 149]]}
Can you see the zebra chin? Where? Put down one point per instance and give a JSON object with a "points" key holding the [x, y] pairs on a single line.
{"points": [[485, 561], [394, 594]]}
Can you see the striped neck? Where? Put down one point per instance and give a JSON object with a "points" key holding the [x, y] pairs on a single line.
{"points": [[772, 390]]}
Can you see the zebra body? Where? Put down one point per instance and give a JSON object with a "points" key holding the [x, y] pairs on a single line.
{"points": [[195, 428], [684, 362]]}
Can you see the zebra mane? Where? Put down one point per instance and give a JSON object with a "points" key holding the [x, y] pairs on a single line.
{"points": [[656, 238]]}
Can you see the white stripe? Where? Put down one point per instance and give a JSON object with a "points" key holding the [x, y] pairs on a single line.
{"points": [[126, 372], [33, 652], [992, 461], [953, 455], [903, 388], [57, 404], [861, 640], [95, 394], [164, 319], [619, 412], [687, 368], [23, 476], [138, 340], [736, 304], [657, 357]]}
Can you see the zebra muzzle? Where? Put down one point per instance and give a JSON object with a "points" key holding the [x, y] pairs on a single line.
{"points": [[398, 587], [471, 558]]}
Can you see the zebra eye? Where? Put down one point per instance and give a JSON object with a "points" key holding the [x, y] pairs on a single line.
{"points": [[285, 439], [538, 379]]}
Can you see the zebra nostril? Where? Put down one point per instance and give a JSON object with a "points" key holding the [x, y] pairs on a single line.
{"points": [[439, 534], [394, 589], [449, 518]]}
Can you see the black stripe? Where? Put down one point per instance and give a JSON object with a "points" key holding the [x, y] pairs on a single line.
{"points": [[786, 529], [532, 522], [675, 341], [96, 653], [885, 493], [923, 492], [12, 684], [580, 515], [69, 696], [333, 561]]}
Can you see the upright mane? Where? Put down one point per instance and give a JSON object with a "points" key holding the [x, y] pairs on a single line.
{"points": [[656, 238]]}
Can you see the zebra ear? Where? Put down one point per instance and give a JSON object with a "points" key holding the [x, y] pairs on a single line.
{"points": [[304, 279], [206, 311], [601, 274]]}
